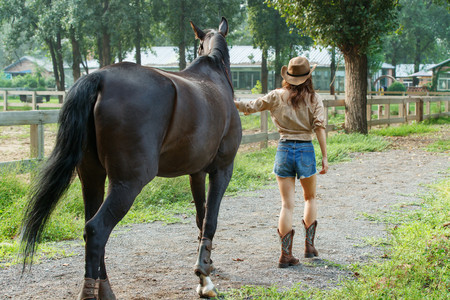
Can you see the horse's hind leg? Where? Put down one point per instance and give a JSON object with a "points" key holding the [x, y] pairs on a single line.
{"points": [[197, 182], [92, 176], [218, 183]]}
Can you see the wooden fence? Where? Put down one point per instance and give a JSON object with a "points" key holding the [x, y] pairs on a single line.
{"points": [[333, 105], [336, 104], [36, 97]]}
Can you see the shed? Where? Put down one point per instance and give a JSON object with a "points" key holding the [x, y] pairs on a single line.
{"points": [[441, 76], [28, 65]]}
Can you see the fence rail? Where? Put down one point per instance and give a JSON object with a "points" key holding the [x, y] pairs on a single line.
{"points": [[383, 111], [36, 97], [422, 110]]}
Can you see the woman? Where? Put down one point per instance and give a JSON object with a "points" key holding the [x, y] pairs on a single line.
{"points": [[298, 112]]}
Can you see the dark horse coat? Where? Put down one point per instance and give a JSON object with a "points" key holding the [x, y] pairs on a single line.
{"points": [[131, 123]]}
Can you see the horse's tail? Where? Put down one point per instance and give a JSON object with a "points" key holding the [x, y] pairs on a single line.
{"points": [[55, 176]]}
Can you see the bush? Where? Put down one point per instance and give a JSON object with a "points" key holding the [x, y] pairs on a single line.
{"points": [[33, 81], [258, 88], [396, 86]]}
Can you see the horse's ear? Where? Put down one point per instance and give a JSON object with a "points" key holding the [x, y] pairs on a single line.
{"points": [[223, 27], [199, 34]]}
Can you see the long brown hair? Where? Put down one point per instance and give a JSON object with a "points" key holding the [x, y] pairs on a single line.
{"points": [[298, 92]]}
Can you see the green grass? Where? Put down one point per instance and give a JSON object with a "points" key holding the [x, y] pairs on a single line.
{"points": [[405, 130], [417, 264], [253, 122]]}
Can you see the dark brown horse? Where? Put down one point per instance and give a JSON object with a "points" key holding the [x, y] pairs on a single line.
{"points": [[131, 123]]}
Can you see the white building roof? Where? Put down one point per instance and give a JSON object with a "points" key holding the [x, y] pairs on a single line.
{"points": [[407, 70], [240, 56]]}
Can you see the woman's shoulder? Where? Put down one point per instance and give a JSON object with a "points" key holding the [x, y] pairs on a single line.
{"points": [[281, 93]]}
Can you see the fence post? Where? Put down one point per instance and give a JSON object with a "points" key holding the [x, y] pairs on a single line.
{"points": [[37, 141], [5, 100], [369, 112], [33, 100], [405, 108], [264, 128], [34, 148], [325, 107], [400, 110], [380, 111], [419, 110], [388, 112]]}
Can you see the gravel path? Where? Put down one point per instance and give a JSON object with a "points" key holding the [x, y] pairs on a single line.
{"points": [[155, 261]]}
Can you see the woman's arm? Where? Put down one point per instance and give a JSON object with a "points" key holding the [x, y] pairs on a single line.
{"points": [[322, 138], [264, 103]]}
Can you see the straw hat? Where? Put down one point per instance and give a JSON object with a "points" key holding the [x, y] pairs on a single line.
{"points": [[297, 71]]}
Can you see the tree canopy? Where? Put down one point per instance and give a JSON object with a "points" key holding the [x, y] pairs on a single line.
{"points": [[270, 32], [353, 26]]}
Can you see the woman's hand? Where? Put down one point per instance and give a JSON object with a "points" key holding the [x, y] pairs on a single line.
{"points": [[324, 165]]}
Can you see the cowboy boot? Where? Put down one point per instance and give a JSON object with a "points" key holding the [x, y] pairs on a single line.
{"points": [[310, 232], [286, 257]]}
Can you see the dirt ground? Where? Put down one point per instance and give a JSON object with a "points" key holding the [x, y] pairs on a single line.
{"points": [[155, 260]]}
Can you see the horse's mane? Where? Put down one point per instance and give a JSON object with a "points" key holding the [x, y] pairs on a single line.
{"points": [[220, 49]]}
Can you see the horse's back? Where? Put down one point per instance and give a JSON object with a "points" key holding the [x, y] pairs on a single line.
{"points": [[159, 123]]}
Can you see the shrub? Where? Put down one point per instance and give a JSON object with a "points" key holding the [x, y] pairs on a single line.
{"points": [[33, 81], [396, 86], [258, 88]]}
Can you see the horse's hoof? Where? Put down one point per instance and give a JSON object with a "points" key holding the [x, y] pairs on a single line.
{"points": [[206, 288], [104, 290], [88, 289]]}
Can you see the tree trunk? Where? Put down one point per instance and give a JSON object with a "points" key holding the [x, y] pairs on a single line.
{"points": [[105, 38], [416, 63], [60, 63], [138, 54], [51, 48], [355, 92], [278, 64], [76, 57], [182, 42], [106, 48], [264, 73], [138, 39], [195, 48], [332, 70], [100, 49]]}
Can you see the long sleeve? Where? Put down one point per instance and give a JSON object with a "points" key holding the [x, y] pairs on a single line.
{"points": [[319, 113], [263, 103]]}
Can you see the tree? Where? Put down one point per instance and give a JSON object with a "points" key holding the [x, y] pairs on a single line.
{"points": [[40, 19], [423, 36], [270, 32], [353, 26]]}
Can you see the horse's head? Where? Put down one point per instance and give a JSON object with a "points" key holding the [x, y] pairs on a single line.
{"points": [[207, 37]]}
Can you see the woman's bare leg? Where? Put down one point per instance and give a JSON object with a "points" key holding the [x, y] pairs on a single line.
{"points": [[287, 192], [309, 194]]}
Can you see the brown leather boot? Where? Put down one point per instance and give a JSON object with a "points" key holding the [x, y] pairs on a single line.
{"points": [[286, 258], [310, 233]]}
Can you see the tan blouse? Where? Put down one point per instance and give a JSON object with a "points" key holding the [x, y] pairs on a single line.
{"points": [[292, 124]]}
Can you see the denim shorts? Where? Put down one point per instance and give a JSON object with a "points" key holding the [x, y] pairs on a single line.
{"points": [[295, 159]]}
